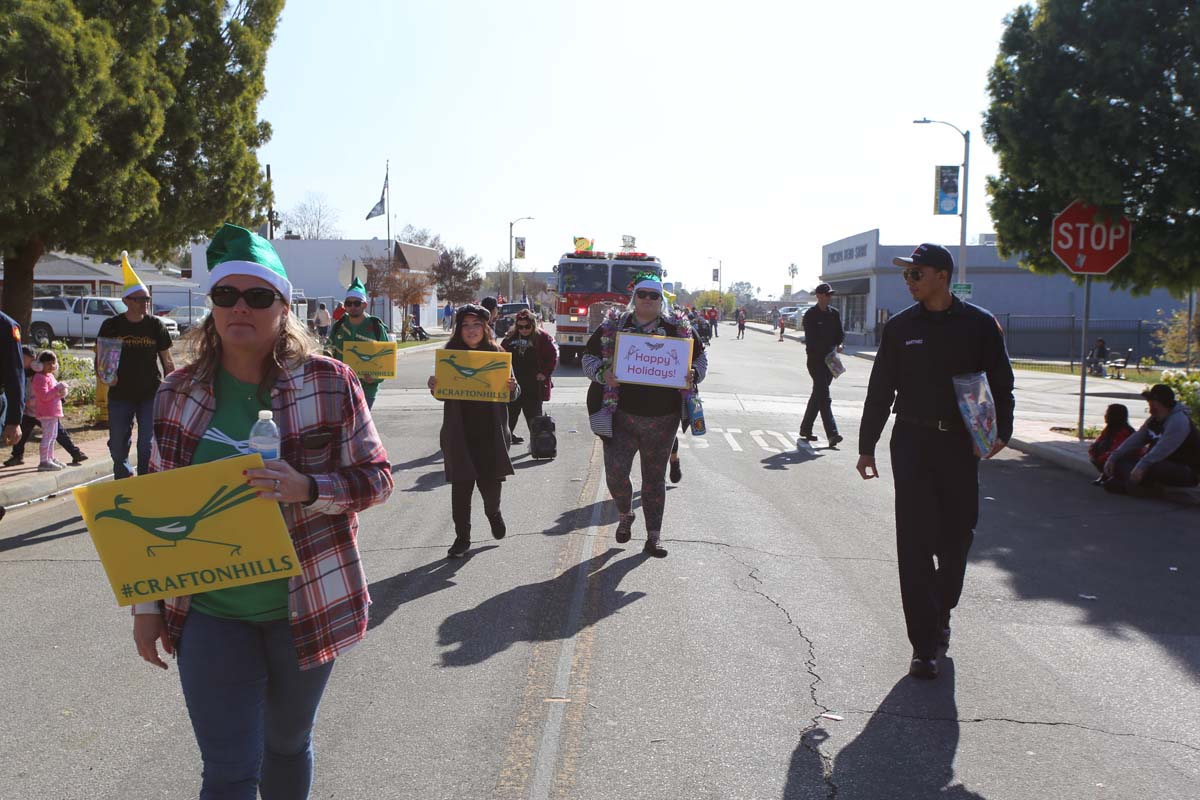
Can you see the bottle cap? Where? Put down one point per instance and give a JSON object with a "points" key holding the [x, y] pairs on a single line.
{"points": [[266, 414]]}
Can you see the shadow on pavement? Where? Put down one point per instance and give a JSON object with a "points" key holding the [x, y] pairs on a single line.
{"points": [[784, 459], [428, 481], [537, 612], [1058, 538], [906, 749], [47, 533], [423, 461], [389, 594]]}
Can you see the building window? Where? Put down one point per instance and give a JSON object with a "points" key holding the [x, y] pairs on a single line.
{"points": [[107, 290], [47, 289], [76, 289], [853, 309]]}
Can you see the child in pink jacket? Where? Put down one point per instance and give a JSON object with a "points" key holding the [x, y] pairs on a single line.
{"points": [[48, 395]]}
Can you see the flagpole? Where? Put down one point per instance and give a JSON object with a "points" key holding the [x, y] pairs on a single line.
{"points": [[387, 211]]}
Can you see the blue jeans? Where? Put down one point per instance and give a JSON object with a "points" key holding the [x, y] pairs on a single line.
{"points": [[121, 414], [251, 705]]}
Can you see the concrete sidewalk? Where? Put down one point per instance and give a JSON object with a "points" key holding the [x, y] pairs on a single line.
{"points": [[25, 484]]}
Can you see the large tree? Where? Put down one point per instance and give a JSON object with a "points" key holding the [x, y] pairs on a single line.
{"points": [[313, 218], [457, 276], [1099, 101], [128, 125]]}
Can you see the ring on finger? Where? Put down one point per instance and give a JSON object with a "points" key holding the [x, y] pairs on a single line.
{"points": [[277, 484]]}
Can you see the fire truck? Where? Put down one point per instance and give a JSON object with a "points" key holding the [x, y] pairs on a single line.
{"points": [[588, 283]]}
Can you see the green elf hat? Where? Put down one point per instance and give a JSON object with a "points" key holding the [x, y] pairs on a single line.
{"points": [[357, 291], [237, 251], [132, 282]]}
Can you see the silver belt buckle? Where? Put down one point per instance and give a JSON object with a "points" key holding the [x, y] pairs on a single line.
{"points": [[941, 426]]}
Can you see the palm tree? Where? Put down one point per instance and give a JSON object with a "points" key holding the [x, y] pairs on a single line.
{"points": [[792, 270]]}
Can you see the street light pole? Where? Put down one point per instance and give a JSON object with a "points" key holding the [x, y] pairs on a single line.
{"points": [[962, 237], [510, 255]]}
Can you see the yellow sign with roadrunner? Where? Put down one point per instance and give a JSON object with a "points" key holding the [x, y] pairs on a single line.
{"points": [[472, 375], [186, 531], [370, 359]]}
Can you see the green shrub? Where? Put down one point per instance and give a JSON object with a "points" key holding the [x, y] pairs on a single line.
{"points": [[1186, 388], [79, 372]]}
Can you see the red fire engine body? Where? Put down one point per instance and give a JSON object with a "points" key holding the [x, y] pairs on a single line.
{"points": [[586, 278]]}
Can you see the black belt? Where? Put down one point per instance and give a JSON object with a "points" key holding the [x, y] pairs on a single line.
{"points": [[948, 426]]}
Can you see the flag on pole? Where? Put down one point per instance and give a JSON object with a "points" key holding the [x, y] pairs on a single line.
{"points": [[378, 209]]}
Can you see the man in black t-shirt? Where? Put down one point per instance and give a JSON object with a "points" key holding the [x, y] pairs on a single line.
{"points": [[144, 343]]}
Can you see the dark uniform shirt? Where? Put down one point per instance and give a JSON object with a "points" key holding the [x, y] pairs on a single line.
{"points": [[822, 331], [12, 367], [919, 356]]}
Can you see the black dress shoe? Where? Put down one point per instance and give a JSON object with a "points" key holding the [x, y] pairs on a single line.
{"points": [[925, 669], [517, 439], [498, 527], [676, 472], [836, 439], [808, 437], [459, 548]]}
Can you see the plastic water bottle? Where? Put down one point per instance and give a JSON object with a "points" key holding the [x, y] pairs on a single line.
{"points": [[264, 436]]}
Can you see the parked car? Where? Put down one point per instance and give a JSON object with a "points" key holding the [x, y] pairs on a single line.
{"points": [[78, 317], [187, 316], [788, 314], [506, 313]]}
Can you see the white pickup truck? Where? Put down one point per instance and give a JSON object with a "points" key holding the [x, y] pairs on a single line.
{"points": [[78, 317]]}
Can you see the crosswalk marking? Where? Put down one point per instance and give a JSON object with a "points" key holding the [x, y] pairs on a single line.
{"points": [[729, 438], [759, 437]]}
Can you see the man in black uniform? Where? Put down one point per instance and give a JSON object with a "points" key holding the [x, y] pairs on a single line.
{"points": [[822, 334], [934, 466], [12, 379]]}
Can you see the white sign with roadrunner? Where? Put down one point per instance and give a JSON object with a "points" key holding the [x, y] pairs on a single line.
{"points": [[653, 360]]}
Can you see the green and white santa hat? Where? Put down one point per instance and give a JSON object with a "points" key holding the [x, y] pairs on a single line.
{"points": [[357, 291], [237, 251]]}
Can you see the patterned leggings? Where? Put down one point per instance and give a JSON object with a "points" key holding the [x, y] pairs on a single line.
{"points": [[652, 437]]}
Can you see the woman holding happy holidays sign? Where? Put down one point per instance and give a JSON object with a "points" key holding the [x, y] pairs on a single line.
{"points": [[634, 418]]}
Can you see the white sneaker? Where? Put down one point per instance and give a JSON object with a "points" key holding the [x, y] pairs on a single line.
{"points": [[50, 466], [60, 464]]}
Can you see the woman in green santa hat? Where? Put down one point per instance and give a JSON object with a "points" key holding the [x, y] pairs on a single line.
{"points": [[358, 325], [254, 660]]}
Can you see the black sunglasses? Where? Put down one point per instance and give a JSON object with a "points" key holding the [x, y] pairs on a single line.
{"points": [[913, 274], [642, 294], [258, 297], [354, 303]]}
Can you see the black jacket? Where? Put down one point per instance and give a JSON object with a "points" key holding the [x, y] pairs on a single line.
{"points": [[12, 369], [822, 331], [920, 353]]}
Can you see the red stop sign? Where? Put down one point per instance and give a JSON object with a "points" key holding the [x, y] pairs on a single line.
{"points": [[1087, 242]]}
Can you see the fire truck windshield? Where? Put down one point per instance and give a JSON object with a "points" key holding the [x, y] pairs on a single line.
{"points": [[623, 275], [582, 277]]}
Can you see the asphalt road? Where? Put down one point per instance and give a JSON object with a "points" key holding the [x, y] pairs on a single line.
{"points": [[558, 664]]}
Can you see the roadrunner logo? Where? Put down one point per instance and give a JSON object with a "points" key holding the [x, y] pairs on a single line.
{"points": [[367, 358], [180, 528], [473, 373]]}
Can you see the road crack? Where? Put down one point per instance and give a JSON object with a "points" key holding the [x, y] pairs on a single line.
{"points": [[793, 556], [1012, 721], [810, 666]]}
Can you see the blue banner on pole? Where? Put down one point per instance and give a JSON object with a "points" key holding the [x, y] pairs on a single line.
{"points": [[945, 190]]}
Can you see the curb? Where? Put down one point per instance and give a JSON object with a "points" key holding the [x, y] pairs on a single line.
{"points": [[1180, 495], [46, 484], [420, 348]]}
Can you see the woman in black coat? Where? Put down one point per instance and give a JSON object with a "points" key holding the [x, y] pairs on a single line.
{"points": [[475, 437]]}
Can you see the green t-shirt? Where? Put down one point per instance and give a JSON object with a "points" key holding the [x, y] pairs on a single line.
{"points": [[371, 329], [228, 435]]}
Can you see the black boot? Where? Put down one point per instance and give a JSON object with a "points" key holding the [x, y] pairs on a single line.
{"points": [[462, 543], [498, 527], [651, 547]]}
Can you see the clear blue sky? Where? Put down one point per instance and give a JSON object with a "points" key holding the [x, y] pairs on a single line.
{"points": [[753, 132]]}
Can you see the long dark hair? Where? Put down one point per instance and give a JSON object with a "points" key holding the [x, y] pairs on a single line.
{"points": [[523, 314], [489, 337]]}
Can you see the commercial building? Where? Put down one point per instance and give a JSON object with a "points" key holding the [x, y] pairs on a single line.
{"points": [[870, 289]]}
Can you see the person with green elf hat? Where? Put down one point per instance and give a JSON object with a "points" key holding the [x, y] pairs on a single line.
{"points": [[254, 660], [358, 325]]}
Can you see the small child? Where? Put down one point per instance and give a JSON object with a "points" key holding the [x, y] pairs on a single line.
{"points": [[29, 421], [48, 395], [1116, 430]]}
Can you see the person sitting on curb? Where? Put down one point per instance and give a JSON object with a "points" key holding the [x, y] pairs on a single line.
{"points": [[1116, 430], [1173, 457]]}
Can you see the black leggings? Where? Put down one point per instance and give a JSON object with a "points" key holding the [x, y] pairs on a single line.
{"points": [[460, 502], [529, 402]]}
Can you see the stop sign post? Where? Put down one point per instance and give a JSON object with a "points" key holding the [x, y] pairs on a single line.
{"points": [[1089, 243]]}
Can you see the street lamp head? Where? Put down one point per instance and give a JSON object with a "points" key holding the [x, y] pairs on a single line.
{"points": [[922, 121]]}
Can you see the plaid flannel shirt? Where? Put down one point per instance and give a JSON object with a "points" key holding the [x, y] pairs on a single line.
{"points": [[320, 402]]}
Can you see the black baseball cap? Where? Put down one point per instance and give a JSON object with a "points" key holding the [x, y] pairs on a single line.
{"points": [[928, 255], [1162, 393], [489, 303], [824, 288]]}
